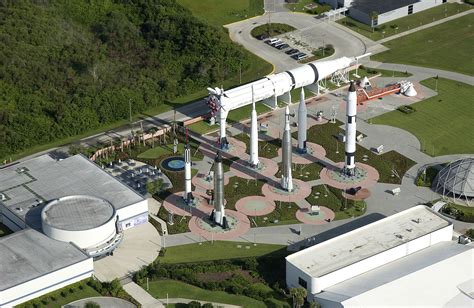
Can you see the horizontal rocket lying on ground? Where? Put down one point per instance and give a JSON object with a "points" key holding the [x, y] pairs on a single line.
{"points": [[221, 101]]}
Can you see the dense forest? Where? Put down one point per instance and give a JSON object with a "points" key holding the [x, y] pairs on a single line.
{"points": [[67, 67]]}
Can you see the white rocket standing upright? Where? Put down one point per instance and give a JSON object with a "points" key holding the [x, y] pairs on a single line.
{"points": [[254, 162], [286, 177], [351, 112], [188, 195], [302, 124]]}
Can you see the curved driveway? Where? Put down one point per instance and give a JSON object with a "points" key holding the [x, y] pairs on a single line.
{"points": [[311, 30]]}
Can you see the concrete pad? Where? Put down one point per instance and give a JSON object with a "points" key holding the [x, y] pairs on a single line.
{"points": [[140, 246]]}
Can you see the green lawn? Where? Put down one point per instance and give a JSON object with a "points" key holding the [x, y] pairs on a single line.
{"points": [[222, 12], [447, 46], [271, 29], [331, 197], [56, 299], [173, 288], [404, 23], [325, 135], [266, 149], [218, 250], [285, 213], [300, 7], [239, 188], [306, 172], [161, 150], [4, 230], [443, 123]]}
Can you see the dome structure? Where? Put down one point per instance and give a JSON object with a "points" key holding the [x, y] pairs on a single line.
{"points": [[457, 180], [88, 222]]}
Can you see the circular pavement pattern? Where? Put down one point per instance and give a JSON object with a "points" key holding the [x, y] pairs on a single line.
{"points": [[174, 203], [237, 148], [274, 192], [240, 224], [315, 152], [199, 180], [371, 176], [304, 215], [255, 206], [242, 169], [362, 194]]}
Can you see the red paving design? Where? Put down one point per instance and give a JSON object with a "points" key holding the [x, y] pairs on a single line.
{"points": [[237, 148], [242, 169], [273, 191], [174, 203], [255, 206], [306, 217], [362, 194], [199, 180], [370, 180], [315, 152], [243, 225]]}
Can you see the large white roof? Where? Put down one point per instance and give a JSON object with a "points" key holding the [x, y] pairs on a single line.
{"points": [[438, 276], [367, 241]]}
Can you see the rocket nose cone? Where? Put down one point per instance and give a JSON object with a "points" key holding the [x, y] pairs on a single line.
{"points": [[218, 157], [352, 87]]}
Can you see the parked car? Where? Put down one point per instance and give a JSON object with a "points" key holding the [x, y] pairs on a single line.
{"points": [[280, 47], [262, 37], [291, 51], [273, 40], [301, 56]]}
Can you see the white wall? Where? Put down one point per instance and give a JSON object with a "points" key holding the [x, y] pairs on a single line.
{"points": [[47, 283], [395, 14], [133, 215], [318, 284], [83, 238]]}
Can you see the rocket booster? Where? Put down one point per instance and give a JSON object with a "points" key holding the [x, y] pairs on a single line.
{"points": [[187, 173], [218, 212], [222, 102], [350, 146], [254, 161], [286, 177], [302, 124]]}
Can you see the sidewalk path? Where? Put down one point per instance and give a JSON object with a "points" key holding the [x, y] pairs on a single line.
{"points": [[140, 295], [421, 73]]}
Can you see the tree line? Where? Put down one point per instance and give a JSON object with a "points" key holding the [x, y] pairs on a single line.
{"points": [[67, 67]]}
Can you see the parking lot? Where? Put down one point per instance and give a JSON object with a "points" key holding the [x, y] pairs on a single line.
{"points": [[311, 33]]}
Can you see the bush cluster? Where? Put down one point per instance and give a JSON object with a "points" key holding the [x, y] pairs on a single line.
{"points": [[407, 109], [237, 283]]}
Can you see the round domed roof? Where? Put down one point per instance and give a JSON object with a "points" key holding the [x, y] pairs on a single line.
{"points": [[458, 178], [76, 213]]}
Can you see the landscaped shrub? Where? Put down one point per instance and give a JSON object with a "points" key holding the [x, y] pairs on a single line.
{"points": [[92, 305], [194, 304], [406, 109], [470, 233]]}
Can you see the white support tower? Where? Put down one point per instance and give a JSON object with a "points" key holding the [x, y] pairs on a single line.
{"points": [[351, 130], [254, 161], [302, 123]]}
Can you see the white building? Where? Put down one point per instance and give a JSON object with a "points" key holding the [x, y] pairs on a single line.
{"points": [[386, 10], [439, 276], [64, 213], [324, 265], [31, 264]]}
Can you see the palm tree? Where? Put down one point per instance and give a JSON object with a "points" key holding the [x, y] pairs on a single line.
{"points": [[153, 131]]}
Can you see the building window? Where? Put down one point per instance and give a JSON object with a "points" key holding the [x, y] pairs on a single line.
{"points": [[302, 282], [410, 9]]}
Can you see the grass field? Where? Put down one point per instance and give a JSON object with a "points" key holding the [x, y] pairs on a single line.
{"points": [[404, 23], [331, 197], [222, 12], [56, 299], [218, 250], [443, 123], [173, 288], [300, 7], [4, 230], [161, 150], [447, 46], [271, 29], [326, 134]]}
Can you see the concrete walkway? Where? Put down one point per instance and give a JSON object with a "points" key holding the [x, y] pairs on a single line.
{"points": [[140, 295], [429, 25], [104, 302], [421, 73], [187, 300]]}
